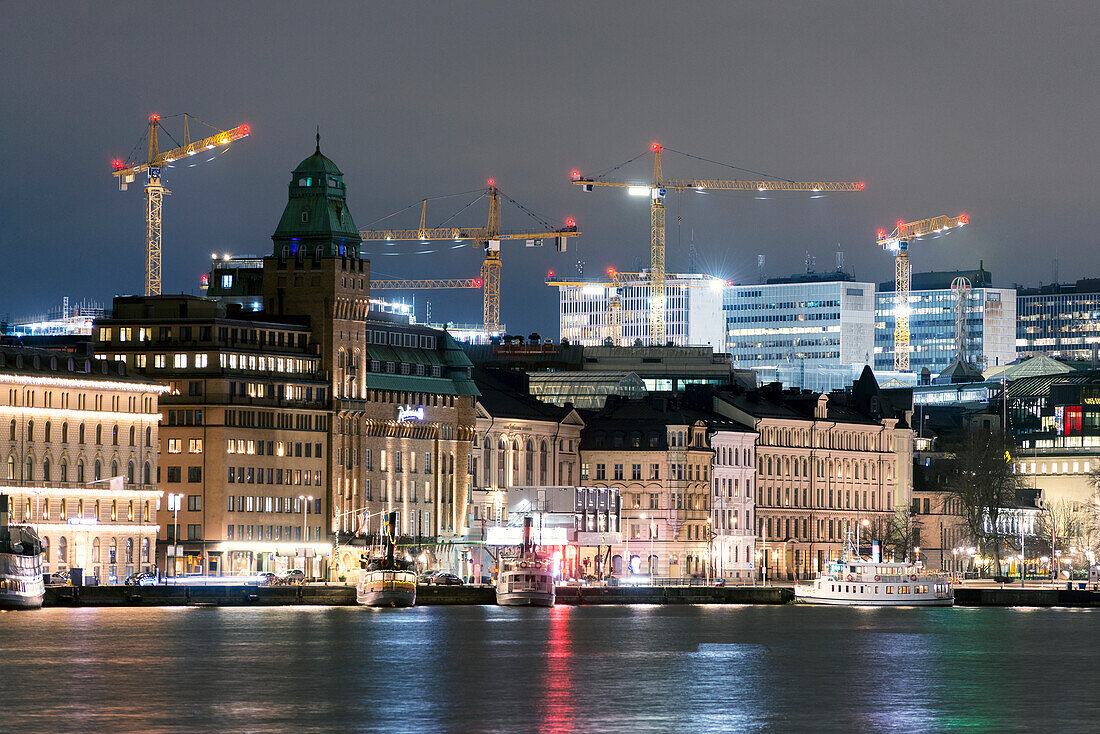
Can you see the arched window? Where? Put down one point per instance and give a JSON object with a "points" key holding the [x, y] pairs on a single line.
{"points": [[99, 435], [114, 468], [64, 470], [30, 430], [529, 462], [112, 556], [130, 472], [148, 435], [62, 550], [64, 433], [114, 435], [80, 470], [129, 550], [80, 433], [11, 433], [46, 469], [147, 474], [144, 550], [98, 474], [543, 459], [29, 464], [95, 550], [11, 468], [501, 447], [46, 432], [133, 434]]}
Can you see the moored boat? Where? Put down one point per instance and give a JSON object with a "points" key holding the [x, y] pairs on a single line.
{"points": [[21, 584], [386, 581], [855, 581], [526, 580]]}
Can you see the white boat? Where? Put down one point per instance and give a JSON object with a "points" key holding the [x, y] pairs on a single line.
{"points": [[21, 584], [386, 581], [856, 581], [526, 580]]}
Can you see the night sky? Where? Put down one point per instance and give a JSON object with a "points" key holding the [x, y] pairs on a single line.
{"points": [[941, 108]]}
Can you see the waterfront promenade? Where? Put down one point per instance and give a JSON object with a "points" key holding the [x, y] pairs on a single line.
{"points": [[341, 595]]}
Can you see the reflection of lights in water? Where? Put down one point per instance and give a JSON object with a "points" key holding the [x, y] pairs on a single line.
{"points": [[557, 709]]}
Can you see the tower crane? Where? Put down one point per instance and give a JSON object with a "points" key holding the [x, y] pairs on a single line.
{"points": [[657, 191], [126, 171], [490, 237], [897, 242]]}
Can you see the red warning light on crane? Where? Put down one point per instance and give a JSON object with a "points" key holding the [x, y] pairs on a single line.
{"points": [[655, 146], [245, 129], [570, 223], [963, 219], [492, 182], [154, 117], [576, 175], [478, 282]]}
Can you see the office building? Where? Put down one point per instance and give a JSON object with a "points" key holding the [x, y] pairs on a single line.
{"points": [[592, 313], [812, 331], [990, 322], [1059, 320]]}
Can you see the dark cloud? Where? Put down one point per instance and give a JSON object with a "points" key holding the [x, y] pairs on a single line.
{"points": [[940, 107]]}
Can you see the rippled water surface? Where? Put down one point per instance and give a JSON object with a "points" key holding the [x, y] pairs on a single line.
{"points": [[607, 669]]}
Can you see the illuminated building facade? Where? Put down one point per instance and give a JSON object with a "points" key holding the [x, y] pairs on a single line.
{"points": [[656, 455], [824, 464], [693, 312], [244, 434], [1059, 320], [990, 322], [79, 445], [732, 486], [807, 331]]}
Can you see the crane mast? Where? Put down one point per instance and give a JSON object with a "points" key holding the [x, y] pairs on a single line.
{"points": [[897, 242], [657, 191], [155, 190]]}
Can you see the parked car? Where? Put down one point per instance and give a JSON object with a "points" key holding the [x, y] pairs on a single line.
{"points": [[267, 578], [141, 579], [291, 576], [58, 578], [442, 578]]}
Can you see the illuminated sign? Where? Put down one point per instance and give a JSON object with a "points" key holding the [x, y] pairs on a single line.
{"points": [[409, 413], [83, 521]]}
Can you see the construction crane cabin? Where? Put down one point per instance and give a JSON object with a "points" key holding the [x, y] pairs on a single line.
{"points": [[127, 171], [657, 190], [897, 243]]}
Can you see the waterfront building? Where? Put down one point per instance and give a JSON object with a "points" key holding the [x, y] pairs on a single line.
{"points": [[733, 474], [693, 311], [811, 331], [79, 445], [1059, 320], [244, 439], [990, 322], [824, 464], [656, 455]]}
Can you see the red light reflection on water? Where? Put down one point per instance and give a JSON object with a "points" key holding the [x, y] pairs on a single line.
{"points": [[558, 707]]}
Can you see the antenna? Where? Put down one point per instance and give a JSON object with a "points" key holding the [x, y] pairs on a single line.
{"points": [[811, 262], [839, 258]]}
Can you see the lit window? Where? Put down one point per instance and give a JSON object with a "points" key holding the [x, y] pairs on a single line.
{"points": [[194, 446], [227, 281], [159, 361], [179, 360], [175, 445], [201, 360]]}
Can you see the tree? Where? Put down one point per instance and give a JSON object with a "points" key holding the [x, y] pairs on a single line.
{"points": [[980, 477], [895, 535]]}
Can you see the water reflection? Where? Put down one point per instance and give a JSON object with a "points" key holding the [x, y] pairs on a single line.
{"points": [[595, 669]]}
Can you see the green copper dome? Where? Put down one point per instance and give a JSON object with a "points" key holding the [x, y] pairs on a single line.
{"points": [[316, 213]]}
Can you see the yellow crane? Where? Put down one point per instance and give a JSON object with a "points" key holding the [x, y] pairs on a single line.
{"points": [[614, 284], [490, 237], [897, 242], [126, 171], [657, 191]]}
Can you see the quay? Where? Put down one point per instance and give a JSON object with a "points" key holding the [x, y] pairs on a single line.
{"points": [[341, 595]]}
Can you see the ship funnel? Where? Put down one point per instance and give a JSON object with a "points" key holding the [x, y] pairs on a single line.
{"points": [[527, 522], [389, 536], [876, 552], [3, 519]]}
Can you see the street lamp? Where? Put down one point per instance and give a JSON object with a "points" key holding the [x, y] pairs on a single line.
{"points": [[304, 498]]}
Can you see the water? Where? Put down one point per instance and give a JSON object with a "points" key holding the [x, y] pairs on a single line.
{"points": [[598, 669]]}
